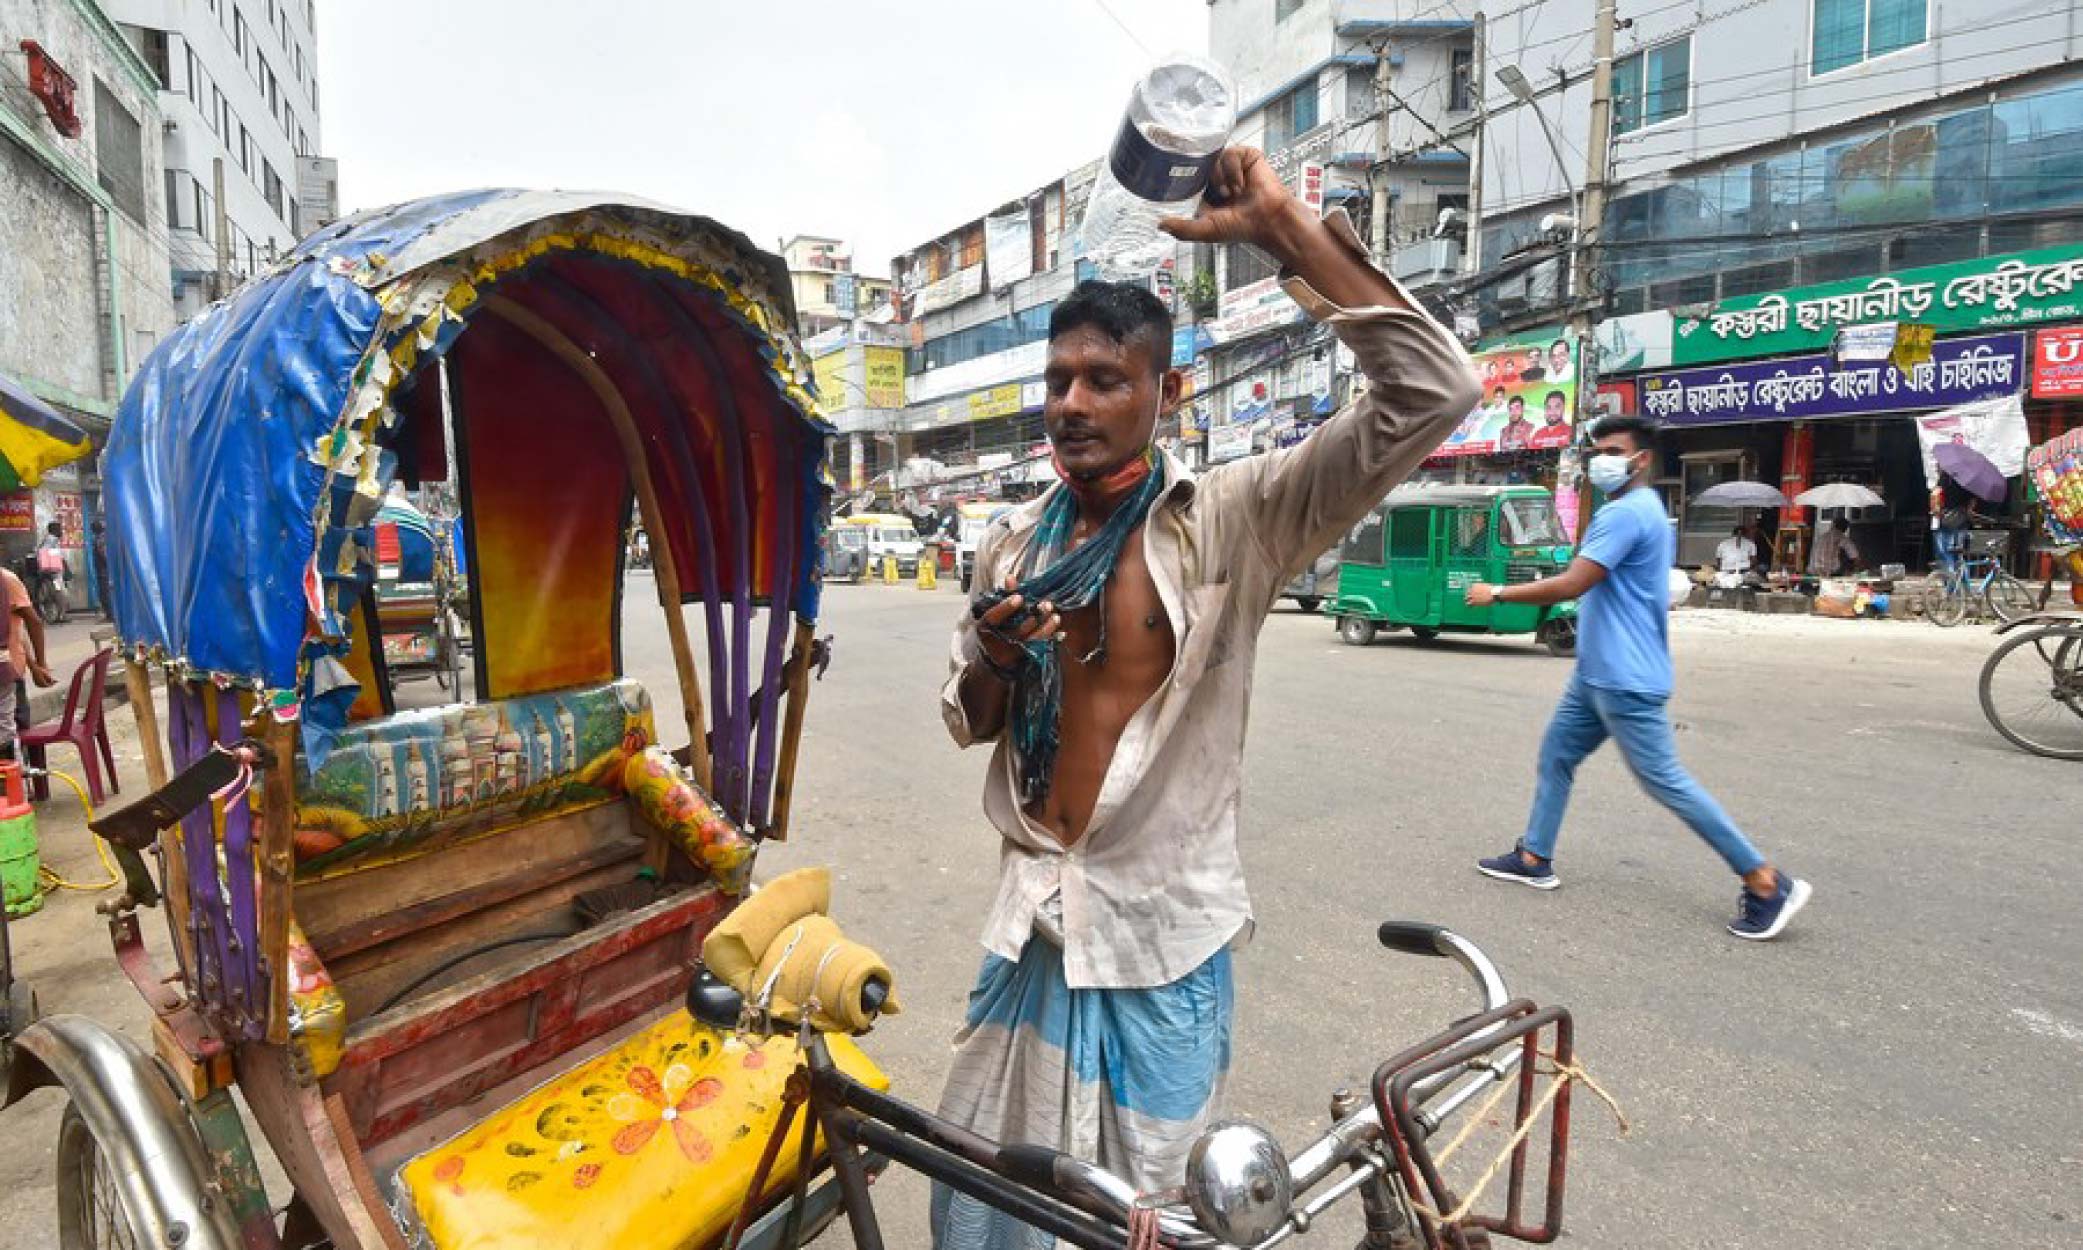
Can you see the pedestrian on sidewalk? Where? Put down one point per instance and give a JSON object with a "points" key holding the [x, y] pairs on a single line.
{"points": [[1107, 654], [1623, 680], [99, 553]]}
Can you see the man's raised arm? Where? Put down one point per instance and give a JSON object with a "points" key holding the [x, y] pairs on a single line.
{"points": [[1420, 382]]}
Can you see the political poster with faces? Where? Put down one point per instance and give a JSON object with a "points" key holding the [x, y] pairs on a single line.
{"points": [[1529, 400]]}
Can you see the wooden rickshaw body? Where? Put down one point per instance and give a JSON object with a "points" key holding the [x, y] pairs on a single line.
{"points": [[559, 360]]}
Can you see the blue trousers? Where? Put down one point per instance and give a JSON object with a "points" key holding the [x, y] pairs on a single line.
{"points": [[1585, 718]]}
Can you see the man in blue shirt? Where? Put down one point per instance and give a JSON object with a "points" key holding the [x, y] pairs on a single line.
{"points": [[1621, 578]]}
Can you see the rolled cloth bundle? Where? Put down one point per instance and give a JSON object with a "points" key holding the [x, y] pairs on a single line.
{"points": [[812, 959], [740, 940]]}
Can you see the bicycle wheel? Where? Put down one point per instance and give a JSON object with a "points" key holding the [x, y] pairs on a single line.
{"points": [[1945, 603], [2032, 690], [2007, 598]]}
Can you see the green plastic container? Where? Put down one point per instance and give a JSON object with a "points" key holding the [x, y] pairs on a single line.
{"points": [[20, 860]]}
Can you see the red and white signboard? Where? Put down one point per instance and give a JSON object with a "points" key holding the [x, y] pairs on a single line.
{"points": [[1313, 188], [2057, 363]]}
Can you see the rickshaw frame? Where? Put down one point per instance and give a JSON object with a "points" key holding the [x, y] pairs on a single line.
{"points": [[162, 1121]]}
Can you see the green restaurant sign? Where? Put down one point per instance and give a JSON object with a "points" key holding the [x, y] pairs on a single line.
{"points": [[2020, 289]]}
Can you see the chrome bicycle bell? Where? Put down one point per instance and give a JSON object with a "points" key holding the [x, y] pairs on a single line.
{"points": [[1238, 1183]]}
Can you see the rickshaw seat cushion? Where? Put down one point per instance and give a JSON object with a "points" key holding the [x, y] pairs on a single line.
{"points": [[650, 1145], [420, 780], [689, 819]]}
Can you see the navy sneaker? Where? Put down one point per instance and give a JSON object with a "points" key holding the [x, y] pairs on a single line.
{"points": [[1511, 867], [1762, 919]]}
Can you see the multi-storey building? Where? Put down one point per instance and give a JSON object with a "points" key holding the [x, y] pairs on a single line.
{"points": [[976, 302], [1782, 172], [1325, 86], [827, 290], [84, 292], [239, 92]]}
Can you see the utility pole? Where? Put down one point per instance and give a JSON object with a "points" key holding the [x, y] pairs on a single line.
{"points": [[1472, 249], [1597, 152], [223, 228], [1582, 262], [1379, 182]]}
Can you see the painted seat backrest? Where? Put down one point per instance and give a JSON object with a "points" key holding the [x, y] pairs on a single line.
{"points": [[417, 781]]}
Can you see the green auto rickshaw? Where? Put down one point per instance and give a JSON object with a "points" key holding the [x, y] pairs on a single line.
{"points": [[1410, 562]]}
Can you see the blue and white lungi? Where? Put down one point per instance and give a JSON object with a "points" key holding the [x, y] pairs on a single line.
{"points": [[1123, 1078]]}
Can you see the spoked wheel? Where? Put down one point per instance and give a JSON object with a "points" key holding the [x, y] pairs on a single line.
{"points": [[2007, 598], [2032, 690], [1945, 603], [90, 1207], [1356, 631]]}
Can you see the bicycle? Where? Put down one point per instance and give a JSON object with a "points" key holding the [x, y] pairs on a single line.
{"points": [[1241, 1188], [1978, 575], [2032, 687]]}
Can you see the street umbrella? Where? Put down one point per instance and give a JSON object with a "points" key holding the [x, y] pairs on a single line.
{"points": [[1839, 495], [33, 437], [1972, 470], [1741, 495]]}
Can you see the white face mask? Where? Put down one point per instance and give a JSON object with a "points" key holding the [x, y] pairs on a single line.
{"points": [[1609, 472]]}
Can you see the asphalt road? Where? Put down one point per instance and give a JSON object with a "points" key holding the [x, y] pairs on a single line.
{"points": [[1904, 1067]]}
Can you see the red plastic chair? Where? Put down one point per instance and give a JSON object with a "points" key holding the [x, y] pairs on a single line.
{"points": [[83, 727]]}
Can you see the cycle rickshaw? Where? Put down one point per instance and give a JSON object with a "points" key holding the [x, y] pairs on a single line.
{"points": [[442, 954], [419, 595]]}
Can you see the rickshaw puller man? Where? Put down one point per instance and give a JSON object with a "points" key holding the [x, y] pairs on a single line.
{"points": [[1108, 654]]}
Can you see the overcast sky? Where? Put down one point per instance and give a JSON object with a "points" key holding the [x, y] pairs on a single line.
{"points": [[881, 122]]}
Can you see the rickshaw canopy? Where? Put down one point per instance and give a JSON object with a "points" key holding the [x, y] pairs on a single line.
{"points": [[251, 453]]}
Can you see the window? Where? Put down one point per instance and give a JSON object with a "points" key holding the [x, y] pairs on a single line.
{"points": [[1291, 115], [1652, 86], [193, 87], [1246, 265], [1531, 522], [1285, 9], [238, 36], [831, 296], [1846, 32], [245, 150], [119, 154], [1410, 534], [1461, 81], [1364, 544], [157, 55], [271, 187], [1359, 93], [1470, 535]]}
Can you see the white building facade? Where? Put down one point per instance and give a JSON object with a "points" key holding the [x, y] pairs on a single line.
{"points": [[240, 87]]}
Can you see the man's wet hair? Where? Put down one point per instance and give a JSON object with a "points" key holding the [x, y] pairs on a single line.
{"points": [[1123, 311], [1640, 431]]}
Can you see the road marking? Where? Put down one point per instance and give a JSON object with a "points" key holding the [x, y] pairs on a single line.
{"points": [[2049, 1026]]}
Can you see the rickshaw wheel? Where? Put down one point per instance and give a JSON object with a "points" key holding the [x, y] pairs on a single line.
{"points": [[1355, 631], [90, 1208]]}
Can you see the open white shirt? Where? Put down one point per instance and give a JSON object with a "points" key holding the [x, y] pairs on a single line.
{"points": [[1736, 554], [1155, 886]]}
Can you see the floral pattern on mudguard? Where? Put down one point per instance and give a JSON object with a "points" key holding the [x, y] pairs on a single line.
{"points": [[677, 808], [650, 1145]]}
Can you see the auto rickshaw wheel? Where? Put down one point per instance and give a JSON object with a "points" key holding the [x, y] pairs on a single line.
{"points": [[1355, 631], [1309, 604], [1559, 636], [91, 1215], [1424, 633]]}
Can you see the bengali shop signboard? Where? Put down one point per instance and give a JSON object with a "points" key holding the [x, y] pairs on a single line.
{"points": [[2057, 363], [2021, 289], [1960, 371]]}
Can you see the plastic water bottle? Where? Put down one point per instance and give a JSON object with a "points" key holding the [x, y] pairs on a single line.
{"points": [[1179, 117]]}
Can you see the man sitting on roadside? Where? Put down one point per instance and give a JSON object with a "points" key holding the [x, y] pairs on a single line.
{"points": [[1835, 553]]}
